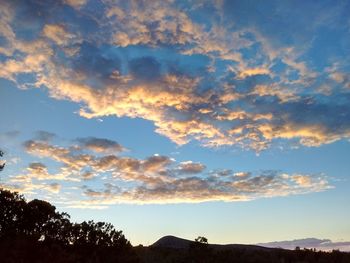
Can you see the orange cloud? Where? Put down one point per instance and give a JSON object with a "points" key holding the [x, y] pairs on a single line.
{"points": [[156, 179], [183, 107], [58, 34]]}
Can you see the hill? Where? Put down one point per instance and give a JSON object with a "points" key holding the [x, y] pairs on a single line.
{"points": [[172, 242], [173, 249], [180, 243]]}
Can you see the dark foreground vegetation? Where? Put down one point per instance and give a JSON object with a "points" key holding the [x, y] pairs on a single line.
{"points": [[241, 256], [35, 232]]}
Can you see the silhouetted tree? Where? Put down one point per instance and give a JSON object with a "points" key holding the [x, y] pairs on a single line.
{"points": [[2, 165], [42, 222], [199, 250], [12, 213], [201, 240], [100, 233], [35, 232]]}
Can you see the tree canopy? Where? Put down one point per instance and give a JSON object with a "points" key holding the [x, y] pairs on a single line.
{"points": [[39, 220], [37, 223]]}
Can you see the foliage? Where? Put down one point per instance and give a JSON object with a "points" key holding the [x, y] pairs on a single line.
{"points": [[201, 240], [35, 232], [2, 165], [239, 255]]}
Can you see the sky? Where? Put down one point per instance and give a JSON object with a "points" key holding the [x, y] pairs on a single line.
{"points": [[225, 119]]}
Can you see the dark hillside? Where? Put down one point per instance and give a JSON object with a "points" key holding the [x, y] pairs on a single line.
{"points": [[172, 242], [173, 249]]}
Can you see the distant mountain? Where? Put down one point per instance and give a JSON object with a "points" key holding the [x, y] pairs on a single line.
{"points": [[180, 243], [174, 249], [319, 244], [172, 242]]}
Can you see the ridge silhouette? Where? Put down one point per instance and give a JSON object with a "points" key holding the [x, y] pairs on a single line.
{"points": [[180, 243]]}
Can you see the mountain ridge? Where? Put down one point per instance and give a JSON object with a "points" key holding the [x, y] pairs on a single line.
{"points": [[170, 241]]}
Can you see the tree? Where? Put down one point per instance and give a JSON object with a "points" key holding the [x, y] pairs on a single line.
{"points": [[42, 222], [30, 231], [2, 164], [99, 234], [202, 240], [12, 207], [199, 250], [39, 220]]}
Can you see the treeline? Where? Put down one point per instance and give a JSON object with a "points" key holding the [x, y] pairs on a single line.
{"points": [[202, 253], [35, 232]]}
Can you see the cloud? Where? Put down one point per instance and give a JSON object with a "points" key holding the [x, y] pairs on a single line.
{"points": [[318, 244], [76, 3], [45, 136], [242, 174], [30, 188], [100, 145], [283, 94], [55, 187], [72, 162], [154, 179], [254, 71], [92, 64], [9, 135], [146, 68], [38, 169], [44, 149], [155, 163], [239, 83], [190, 167], [202, 189], [58, 34]]}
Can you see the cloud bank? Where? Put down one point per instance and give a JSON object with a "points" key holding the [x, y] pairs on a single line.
{"points": [[222, 78], [101, 174]]}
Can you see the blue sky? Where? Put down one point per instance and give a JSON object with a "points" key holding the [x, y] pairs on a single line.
{"points": [[228, 119]]}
